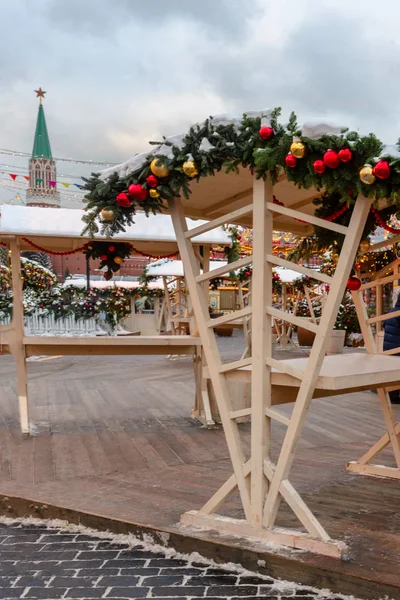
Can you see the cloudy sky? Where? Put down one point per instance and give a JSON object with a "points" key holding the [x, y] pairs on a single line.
{"points": [[121, 72]]}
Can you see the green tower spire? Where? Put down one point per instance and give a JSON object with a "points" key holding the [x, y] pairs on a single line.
{"points": [[41, 143]]}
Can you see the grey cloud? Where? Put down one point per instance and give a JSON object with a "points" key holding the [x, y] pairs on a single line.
{"points": [[97, 17]]}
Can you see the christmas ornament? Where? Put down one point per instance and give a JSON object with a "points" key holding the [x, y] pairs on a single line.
{"points": [[291, 161], [118, 260], [366, 175], [345, 155], [319, 166], [189, 168], [357, 266], [159, 170], [111, 248], [108, 215], [154, 194], [266, 133], [364, 246], [382, 169], [107, 275], [334, 257], [152, 181], [298, 149], [123, 200], [103, 257], [331, 159], [137, 192], [353, 284]]}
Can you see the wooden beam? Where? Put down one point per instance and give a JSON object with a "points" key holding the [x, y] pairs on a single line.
{"points": [[237, 264], [294, 214], [225, 219], [287, 264]]}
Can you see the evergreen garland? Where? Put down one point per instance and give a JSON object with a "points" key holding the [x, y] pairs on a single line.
{"points": [[210, 147]]}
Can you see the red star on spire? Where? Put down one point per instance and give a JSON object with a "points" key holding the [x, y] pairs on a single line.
{"points": [[40, 93]]}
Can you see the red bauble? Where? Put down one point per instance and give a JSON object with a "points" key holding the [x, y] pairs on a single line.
{"points": [[382, 169], [137, 192], [319, 166], [123, 200], [290, 161], [107, 275], [353, 284], [111, 248], [357, 266], [152, 181], [345, 154], [103, 257], [266, 133], [331, 159]]}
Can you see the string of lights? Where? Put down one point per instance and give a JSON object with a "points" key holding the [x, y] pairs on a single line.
{"points": [[70, 160]]}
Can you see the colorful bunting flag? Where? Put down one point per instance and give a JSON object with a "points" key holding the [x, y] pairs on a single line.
{"points": [[79, 186], [39, 180], [13, 176], [26, 177], [52, 183], [66, 184]]}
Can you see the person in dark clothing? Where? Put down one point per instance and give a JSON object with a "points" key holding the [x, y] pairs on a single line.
{"points": [[391, 340]]}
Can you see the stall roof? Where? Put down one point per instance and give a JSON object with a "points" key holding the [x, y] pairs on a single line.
{"points": [[127, 285], [174, 268], [61, 228], [216, 195]]}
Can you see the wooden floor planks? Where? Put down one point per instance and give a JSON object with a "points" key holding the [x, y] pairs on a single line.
{"points": [[116, 438]]}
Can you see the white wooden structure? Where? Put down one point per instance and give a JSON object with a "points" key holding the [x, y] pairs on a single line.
{"points": [[263, 484], [60, 230]]}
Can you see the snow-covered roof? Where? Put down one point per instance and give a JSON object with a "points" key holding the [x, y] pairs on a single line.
{"points": [[64, 223], [287, 275], [312, 129], [174, 268], [211, 197], [127, 285]]}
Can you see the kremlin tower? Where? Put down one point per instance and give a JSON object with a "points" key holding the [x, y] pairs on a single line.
{"points": [[42, 167]]}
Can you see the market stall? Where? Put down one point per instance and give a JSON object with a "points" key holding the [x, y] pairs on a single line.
{"points": [[296, 165], [59, 231]]}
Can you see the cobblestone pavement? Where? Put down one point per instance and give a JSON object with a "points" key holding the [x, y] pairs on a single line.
{"points": [[41, 563]]}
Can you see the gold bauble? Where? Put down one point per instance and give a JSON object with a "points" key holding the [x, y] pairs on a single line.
{"points": [[367, 175], [154, 194], [189, 168], [334, 257], [108, 215], [298, 149], [119, 260], [159, 170], [364, 246]]}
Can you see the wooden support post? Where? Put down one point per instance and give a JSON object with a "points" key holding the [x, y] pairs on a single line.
{"points": [[211, 351], [346, 259], [17, 341], [261, 344]]}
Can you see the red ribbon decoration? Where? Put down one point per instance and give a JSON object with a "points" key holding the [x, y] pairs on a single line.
{"points": [[382, 223], [82, 248]]}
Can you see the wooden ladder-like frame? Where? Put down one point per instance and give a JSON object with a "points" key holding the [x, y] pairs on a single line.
{"points": [[363, 465], [262, 484]]}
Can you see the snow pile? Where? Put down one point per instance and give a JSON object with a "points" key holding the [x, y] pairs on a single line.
{"points": [[149, 544]]}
